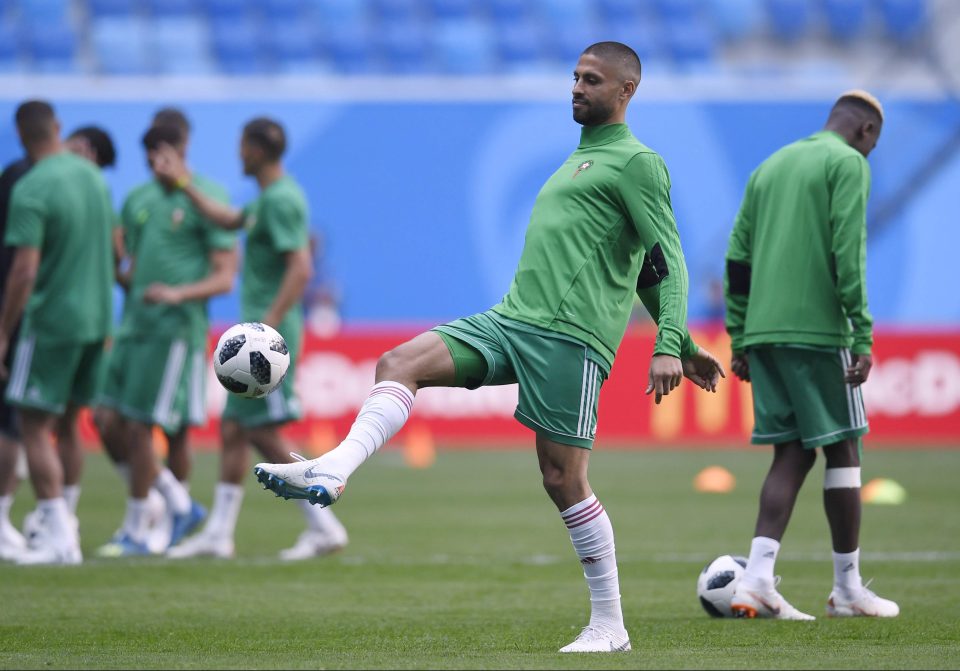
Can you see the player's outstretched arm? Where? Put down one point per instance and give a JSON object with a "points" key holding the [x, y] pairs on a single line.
{"points": [[168, 165], [223, 268]]}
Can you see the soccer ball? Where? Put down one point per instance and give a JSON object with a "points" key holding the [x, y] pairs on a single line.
{"points": [[717, 582], [251, 359]]}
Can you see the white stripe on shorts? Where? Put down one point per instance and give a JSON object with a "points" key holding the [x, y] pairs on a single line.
{"points": [[583, 392], [276, 405], [197, 407], [169, 383], [21, 367]]}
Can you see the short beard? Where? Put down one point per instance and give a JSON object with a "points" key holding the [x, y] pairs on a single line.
{"points": [[592, 115]]}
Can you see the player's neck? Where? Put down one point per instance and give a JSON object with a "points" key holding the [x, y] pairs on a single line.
{"points": [[41, 151], [269, 174]]}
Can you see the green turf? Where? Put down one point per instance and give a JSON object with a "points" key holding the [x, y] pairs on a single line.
{"points": [[466, 565]]}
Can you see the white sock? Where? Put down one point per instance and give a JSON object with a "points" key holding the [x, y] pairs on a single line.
{"points": [[178, 499], [5, 502], [592, 536], [846, 571], [763, 557], [383, 414], [72, 495], [322, 520], [135, 521], [58, 519], [227, 499]]}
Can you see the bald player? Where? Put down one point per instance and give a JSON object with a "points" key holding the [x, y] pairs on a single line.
{"points": [[602, 231], [801, 333]]}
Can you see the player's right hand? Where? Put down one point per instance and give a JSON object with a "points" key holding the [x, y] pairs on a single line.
{"points": [[858, 373], [666, 373], [740, 366]]}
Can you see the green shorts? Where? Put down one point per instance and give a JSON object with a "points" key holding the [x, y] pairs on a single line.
{"points": [[47, 376], [799, 394], [559, 377], [158, 381], [278, 407]]}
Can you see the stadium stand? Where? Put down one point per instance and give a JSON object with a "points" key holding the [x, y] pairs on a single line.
{"points": [[459, 37]]}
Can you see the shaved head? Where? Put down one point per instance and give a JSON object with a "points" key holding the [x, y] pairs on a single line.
{"points": [[622, 57]]}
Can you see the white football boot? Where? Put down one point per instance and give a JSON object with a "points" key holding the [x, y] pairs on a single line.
{"points": [[303, 479], [47, 547], [159, 523], [12, 542], [862, 603], [760, 601], [203, 544], [597, 639], [312, 543]]}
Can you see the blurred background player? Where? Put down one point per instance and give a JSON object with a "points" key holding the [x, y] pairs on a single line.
{"points": [[277, 268], [179, 260], [796, 295], [601, 225], [12, 464], [60, 280]]}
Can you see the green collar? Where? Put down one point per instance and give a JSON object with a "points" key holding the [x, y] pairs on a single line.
{"points": [[594, 136]]}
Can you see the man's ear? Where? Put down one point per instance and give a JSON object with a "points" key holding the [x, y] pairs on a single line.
{"points": [[628, 88]]}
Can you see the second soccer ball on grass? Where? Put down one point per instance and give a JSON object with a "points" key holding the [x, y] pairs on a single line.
{"points": [[251, 359]]}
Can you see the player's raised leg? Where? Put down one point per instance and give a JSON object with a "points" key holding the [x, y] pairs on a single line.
{"points": [[756, 594], [421, 362], [841, 501]]}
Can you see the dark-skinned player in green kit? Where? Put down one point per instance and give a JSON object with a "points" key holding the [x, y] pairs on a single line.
{"points": [[602, 231]]}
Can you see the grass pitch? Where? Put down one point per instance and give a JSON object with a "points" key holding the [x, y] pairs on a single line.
{"points": [[467, 565]]}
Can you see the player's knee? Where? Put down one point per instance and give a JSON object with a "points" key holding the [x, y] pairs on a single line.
{"points": [[393, 365], [844, 454], [231, 434]]}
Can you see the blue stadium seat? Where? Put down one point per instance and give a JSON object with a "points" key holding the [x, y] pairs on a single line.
{"points": [[9, 56], [616, 12], [403, 46], [504, 11], [120, 46], [181, 46], [463, 47], [904, 19], [449, 10], [42, 11], [341, 11], [789, 19], [690, 43], [293, 44], [735, 19], [641, 34], [103, 8], [678, 10], [349, 47], [397, 10], [222, 10], [845, 18], [563, 13], [171, 8], [52, 47], [520, 44], [236, 45], [566, 42], [279, 10]]}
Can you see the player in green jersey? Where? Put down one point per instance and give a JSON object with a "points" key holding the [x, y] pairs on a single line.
{"points": [[60, 223], [602, 231], [179, 261], [801, 333], [277, 268]]}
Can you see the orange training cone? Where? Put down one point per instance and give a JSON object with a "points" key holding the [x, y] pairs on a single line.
{"points": [[715, 480]]}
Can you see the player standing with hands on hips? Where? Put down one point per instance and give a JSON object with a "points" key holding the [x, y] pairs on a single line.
{"points": [[602, 231], [801, 333], [277, 268]]}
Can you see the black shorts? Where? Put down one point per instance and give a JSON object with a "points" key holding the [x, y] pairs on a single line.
{"points": [[9, 417]]}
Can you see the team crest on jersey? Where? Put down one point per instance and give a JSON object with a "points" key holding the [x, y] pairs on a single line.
{"points": [[580, 168], [177, 217]]}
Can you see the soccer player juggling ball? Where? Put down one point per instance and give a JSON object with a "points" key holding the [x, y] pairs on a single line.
{"points": [[602, 230], [801, 334]]}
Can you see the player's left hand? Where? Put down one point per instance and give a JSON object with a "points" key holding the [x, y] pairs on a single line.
{"points": [[666, 373], [162, 293], [704, 370], [858, 373]]}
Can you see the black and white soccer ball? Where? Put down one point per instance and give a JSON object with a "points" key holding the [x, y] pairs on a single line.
{"points": [[717, 582], [251, 359]]}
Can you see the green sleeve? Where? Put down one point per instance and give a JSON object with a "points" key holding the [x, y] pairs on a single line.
{"points": [[849, 181], [736, 280], [650, 297], [645, 190], [25, 219], [130, 226], [286, 224]]}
